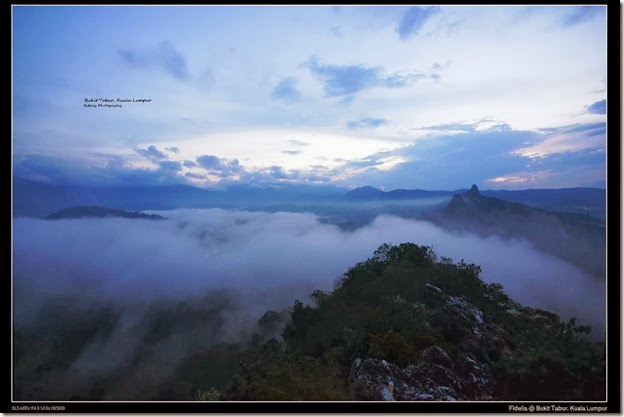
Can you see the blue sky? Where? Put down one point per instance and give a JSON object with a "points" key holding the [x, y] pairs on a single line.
{"points": [[507, 97]]}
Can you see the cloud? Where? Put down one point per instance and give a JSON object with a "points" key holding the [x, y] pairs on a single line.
{"points": [[414, 20], [296, 142], [286, 90], [195, 176], [567, 139], [189, 164], [446, 160], [219, 166], [346, 80], [164, 56], [170, 165], [209, 162], [61, 171], [291, 152], [465, 153], [173, 149], [599, 107], [464, 126], [367, 122], [152, 153], [580, 14]]}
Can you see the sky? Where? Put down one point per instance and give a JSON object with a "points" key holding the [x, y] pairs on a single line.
{"points": [[430, 97]]}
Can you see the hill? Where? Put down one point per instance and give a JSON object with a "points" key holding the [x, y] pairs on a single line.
{"points": [[404, 325], [372, 193], [591, 201], [95, 211], [577, 238]]}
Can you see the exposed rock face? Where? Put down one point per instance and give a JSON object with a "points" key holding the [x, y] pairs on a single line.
{"points": [[438, 375]]}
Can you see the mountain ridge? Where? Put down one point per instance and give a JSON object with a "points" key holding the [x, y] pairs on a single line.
{"points": [[77, 212]]}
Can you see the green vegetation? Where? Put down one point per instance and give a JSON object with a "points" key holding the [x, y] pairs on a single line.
{"points": [[402, 301]]}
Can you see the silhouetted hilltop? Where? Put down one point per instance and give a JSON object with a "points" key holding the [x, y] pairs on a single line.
{"points": [[372, 193], [577, 238], [96, 211]]}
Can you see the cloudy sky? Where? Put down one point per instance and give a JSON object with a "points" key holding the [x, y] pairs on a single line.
{"points": [[395, 97]]}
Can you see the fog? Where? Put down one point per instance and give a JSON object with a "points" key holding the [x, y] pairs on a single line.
{"points": [[250, 262]]}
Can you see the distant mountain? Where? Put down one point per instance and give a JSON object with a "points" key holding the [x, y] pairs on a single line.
{"points": [[576, 238], [95, 211], [372, 193], [580, 200], [32, 198], [365, 193], [591, 201]]}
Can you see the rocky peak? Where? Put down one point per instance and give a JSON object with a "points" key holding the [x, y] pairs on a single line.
{"points": [[474, 191]]}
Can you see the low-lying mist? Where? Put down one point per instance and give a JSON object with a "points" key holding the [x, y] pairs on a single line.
{"points": [[220, 270]]}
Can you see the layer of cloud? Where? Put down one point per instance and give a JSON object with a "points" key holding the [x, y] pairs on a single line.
{"points": [[291, 152], [164, 57], [569, 156], [115, 172], [268, 259], [414, 20], [575, 138]]}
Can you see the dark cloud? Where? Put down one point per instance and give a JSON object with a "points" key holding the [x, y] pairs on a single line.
{"points": [[170, 165], [152, 153], [414, 20], [219, 166], [189, 164], [286, 90], [444, 160], [599, 107], [60, 171], [447, 160], [291, 152], [580, 14], [366, 123], [173, 149], [346, 80], [209, 162], [195, 176], [164, 56]]}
